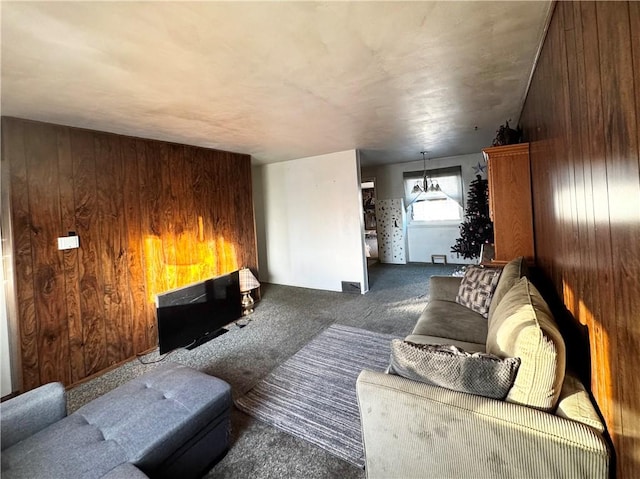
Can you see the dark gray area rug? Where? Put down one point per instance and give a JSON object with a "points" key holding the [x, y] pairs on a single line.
{"points": [[312, 395]]}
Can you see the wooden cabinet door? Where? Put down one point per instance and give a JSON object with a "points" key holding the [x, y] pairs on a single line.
{"points": [[510, 201]]}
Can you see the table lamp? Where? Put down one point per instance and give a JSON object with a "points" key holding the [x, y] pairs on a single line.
{"points": [[248, 282]]}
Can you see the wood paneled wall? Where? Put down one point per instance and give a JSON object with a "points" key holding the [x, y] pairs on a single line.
{"points": [[582, 119], [150, 215]]}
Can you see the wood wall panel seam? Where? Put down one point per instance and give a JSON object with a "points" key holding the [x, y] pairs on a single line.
{"points": [[42, 171], [135, 268], [70, 257]]}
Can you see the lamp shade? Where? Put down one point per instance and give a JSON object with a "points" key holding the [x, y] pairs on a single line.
{"points": [[247, 280]]}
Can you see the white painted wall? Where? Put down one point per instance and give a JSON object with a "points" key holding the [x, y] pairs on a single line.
{"points": [[309, 221], [423, 241]]}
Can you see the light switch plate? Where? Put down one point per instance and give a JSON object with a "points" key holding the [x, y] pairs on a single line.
{"points": [[68, 242]]}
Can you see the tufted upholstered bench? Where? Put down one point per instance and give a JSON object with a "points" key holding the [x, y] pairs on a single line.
{"points": [[170, 422]]}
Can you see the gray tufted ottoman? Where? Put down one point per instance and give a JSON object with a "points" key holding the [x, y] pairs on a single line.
{"points": [[170, 422]]}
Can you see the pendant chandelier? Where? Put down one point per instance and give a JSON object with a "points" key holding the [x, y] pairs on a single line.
{"points": [[428, 185]]}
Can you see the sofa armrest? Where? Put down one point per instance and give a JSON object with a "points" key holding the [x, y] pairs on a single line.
{"points": [[574, 403], [411, 429], [444, 287], [24, 415]]}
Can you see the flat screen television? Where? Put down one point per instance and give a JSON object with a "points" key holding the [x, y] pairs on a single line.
{"points": [[193, 314]]}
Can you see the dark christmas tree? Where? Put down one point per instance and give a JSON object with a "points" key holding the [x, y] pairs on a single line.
{"points": [[477, 227]]}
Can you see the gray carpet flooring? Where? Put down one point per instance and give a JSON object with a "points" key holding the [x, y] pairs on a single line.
{"points": [[283, 322]]}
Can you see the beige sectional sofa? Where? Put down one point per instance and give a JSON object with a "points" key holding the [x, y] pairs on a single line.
{"points": [[546, 426]]}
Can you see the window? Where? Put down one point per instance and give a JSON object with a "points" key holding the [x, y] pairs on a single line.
{"points": [[434, 195], [436, 210]]}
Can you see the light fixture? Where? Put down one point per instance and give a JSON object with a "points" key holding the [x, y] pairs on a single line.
{"points": [[417, 188], [434, 193], [248, 282], [433, 187], [429, 190]]}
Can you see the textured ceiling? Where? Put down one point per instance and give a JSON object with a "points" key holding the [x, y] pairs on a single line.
{"points": [[276, 80]]}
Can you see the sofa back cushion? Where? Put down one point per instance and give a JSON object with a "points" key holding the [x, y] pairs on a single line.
{"points": [[511, 273], [523, 327]]}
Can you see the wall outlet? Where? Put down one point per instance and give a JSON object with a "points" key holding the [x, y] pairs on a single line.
{"points": [[68, 242]]}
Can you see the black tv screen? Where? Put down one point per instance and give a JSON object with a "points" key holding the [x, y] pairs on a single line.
{"points": [[190, 315]]}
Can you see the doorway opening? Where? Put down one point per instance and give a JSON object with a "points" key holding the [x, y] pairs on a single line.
{"points": [[369, 211]]}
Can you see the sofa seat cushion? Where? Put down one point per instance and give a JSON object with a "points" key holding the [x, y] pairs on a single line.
{"points": [[450, 320], [523, 327]]}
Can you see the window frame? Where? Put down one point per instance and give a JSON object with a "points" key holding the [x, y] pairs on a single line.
{"points": [[409, 180]]}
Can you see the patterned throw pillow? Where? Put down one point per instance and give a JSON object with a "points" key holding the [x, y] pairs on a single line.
{"points": [[450, 367], [477, 287]]}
